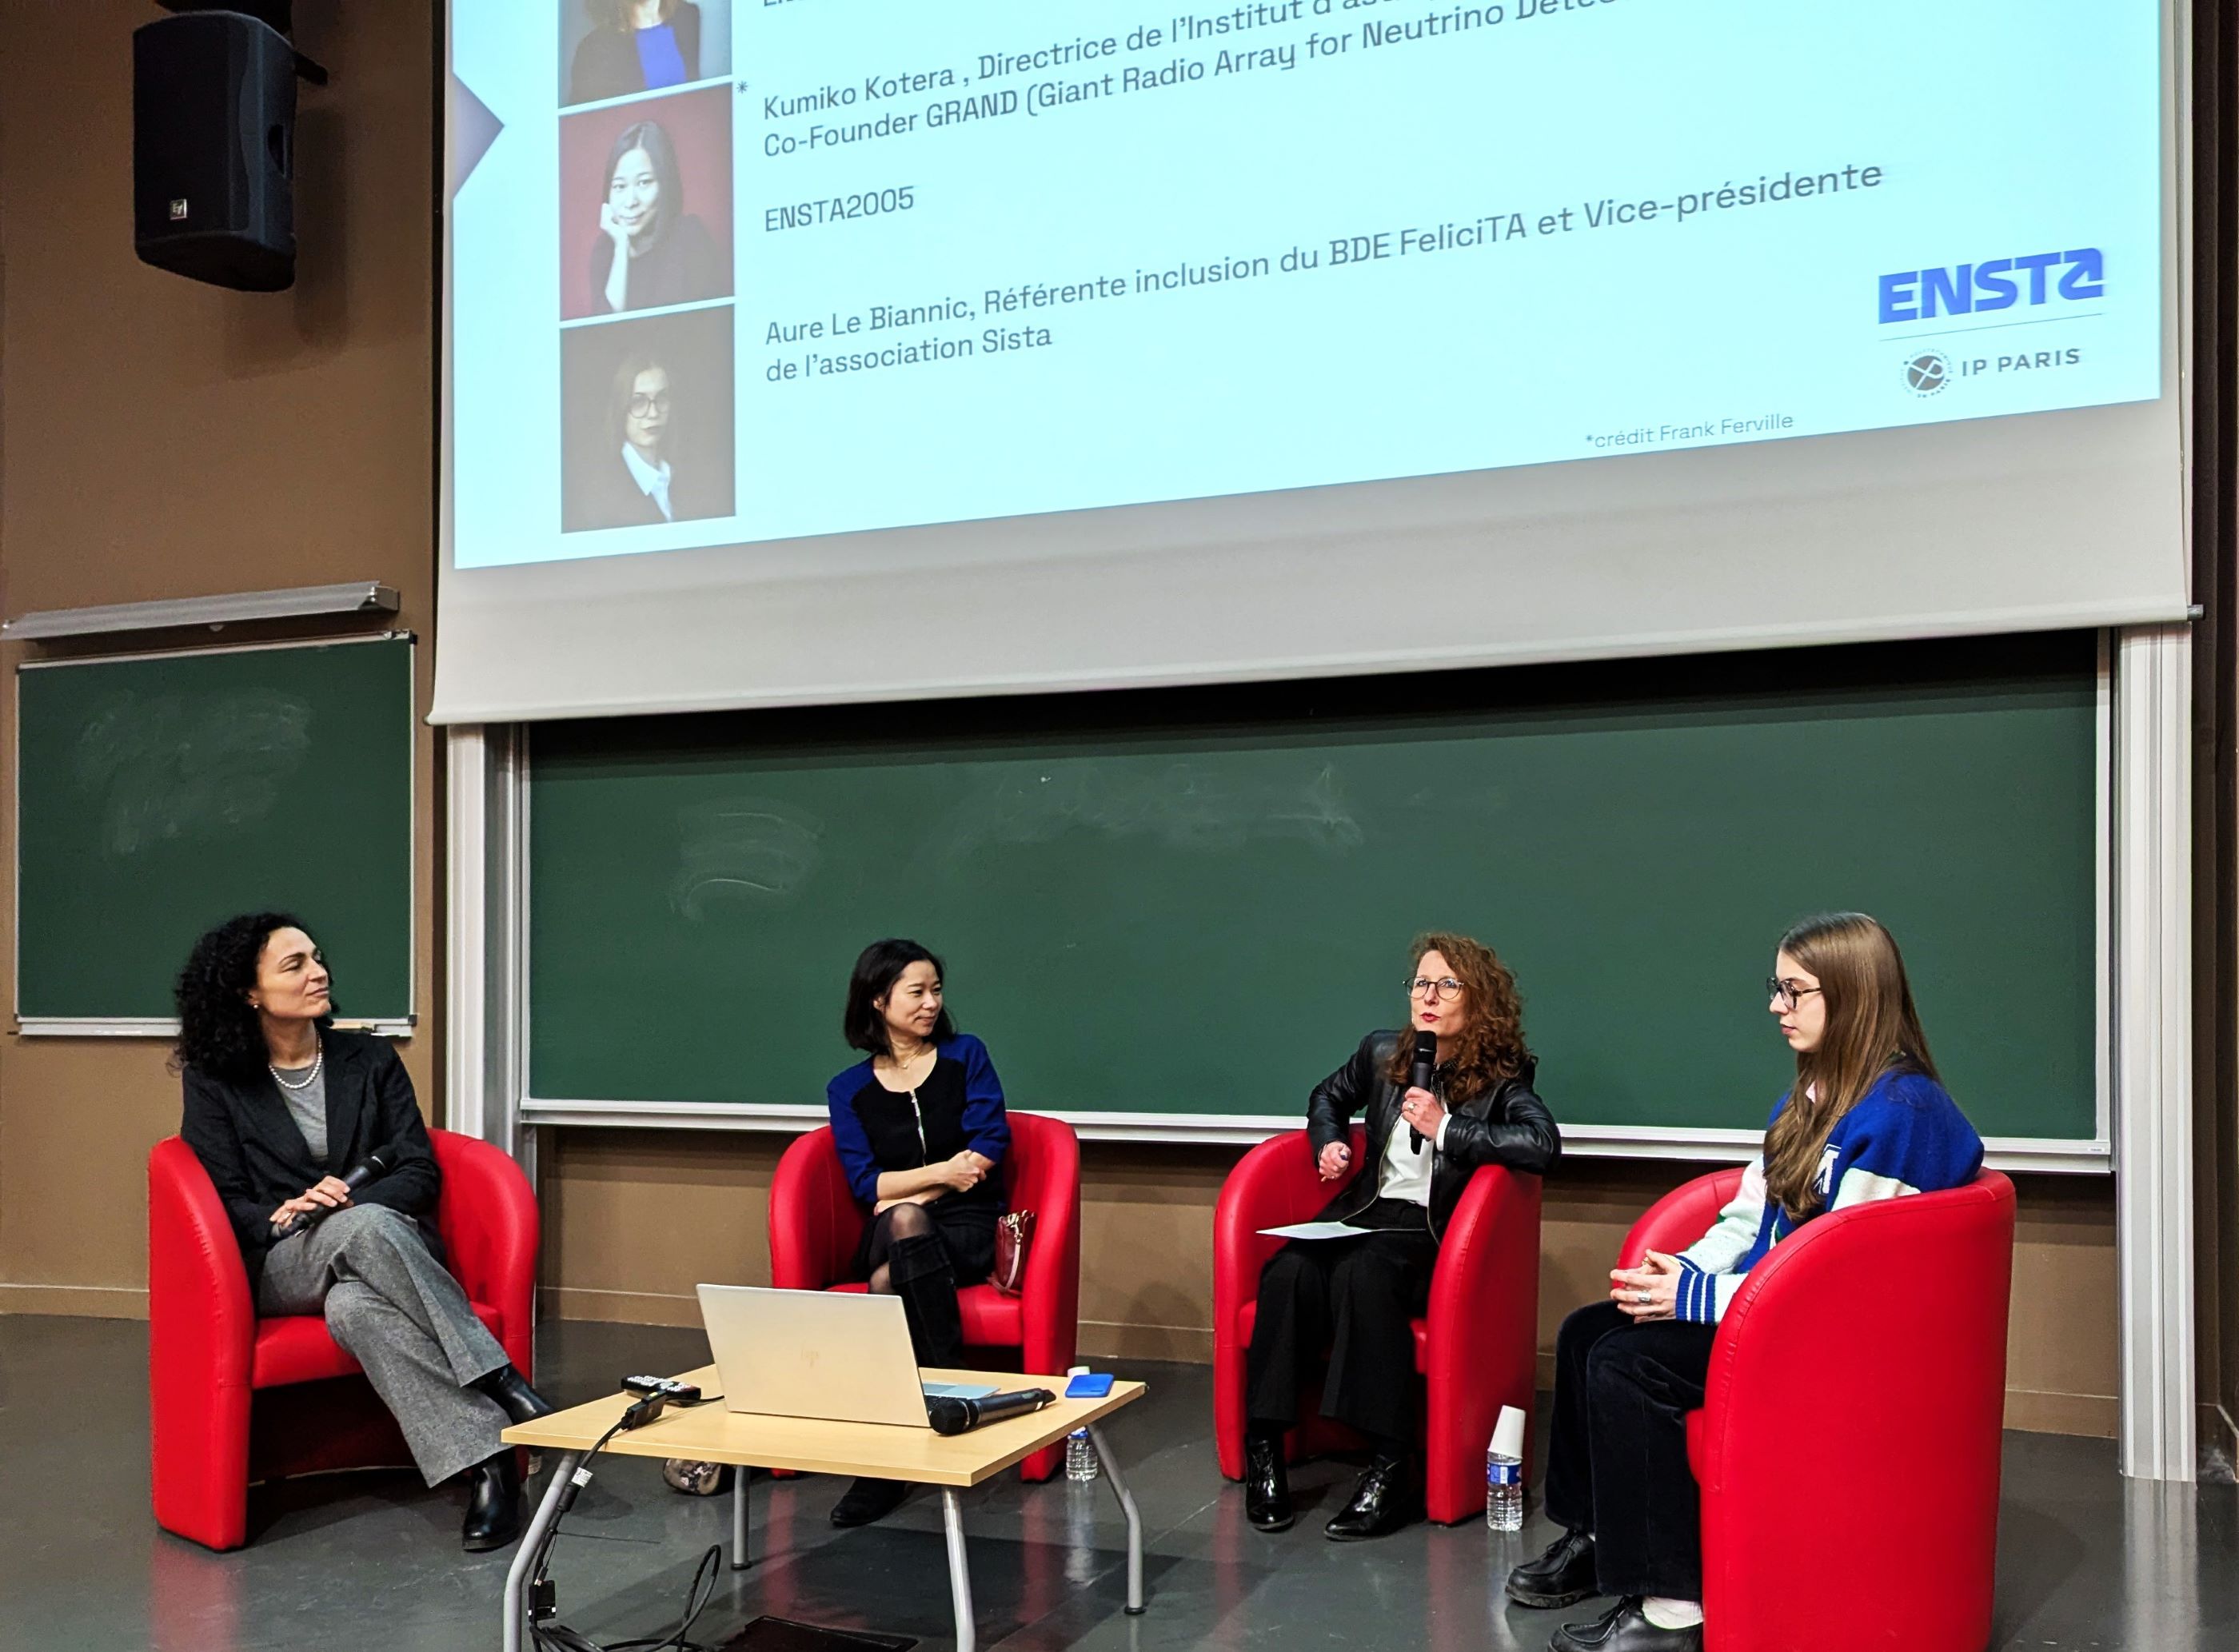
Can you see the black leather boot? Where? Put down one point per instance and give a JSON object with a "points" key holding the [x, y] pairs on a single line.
{"points": [[927, 1284], [1561, 1576], [1624, 1627], [511, 1390], [492, 1504], [868, 1500], [1267, 1483], [1388, 1496]]}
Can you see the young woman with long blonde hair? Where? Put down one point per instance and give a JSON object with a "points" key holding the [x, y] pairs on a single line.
{"points": [[1867, 1119]]}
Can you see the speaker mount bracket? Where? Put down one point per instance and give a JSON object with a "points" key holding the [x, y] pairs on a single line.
{"points": [[279, 16]]}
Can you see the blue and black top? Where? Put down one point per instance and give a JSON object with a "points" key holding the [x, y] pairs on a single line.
{"points": [[959, 1106]]}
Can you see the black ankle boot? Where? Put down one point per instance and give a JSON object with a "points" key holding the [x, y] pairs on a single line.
{"points": [[1388, 1496], [511, 1390], [927, 1284], [492, 1504], [1267, 1483], [868, 1500]]}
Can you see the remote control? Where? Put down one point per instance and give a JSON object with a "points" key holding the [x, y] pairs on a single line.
{"points": [[668, 1388]]}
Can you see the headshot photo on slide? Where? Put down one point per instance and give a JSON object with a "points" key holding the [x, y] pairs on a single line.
{"points": [[647, 420], [622, 48], [645, 204]]}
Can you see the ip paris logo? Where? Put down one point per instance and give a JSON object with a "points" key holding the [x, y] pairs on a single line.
{"points": [[1927, 373]]}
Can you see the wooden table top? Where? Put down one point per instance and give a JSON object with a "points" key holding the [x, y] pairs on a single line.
{"points": [[711, 1432]]}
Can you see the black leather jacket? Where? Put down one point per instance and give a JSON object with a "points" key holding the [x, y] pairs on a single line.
{"points": [[1508, 1124]]}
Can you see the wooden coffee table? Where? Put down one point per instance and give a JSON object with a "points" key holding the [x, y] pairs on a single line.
{"points": [[709, 1432]]}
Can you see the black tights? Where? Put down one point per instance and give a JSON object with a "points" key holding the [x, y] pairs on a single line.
{"points": [[907, 1259], [889, 1228]]}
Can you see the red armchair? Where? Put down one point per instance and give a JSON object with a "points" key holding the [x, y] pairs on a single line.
{"points": [[1867, 1355], [815, 1225], [234, 1398], [1477, 1348]]}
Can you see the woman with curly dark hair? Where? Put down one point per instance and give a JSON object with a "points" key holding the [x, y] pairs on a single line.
{"points": [[1357, 1296], [279, 1105]]}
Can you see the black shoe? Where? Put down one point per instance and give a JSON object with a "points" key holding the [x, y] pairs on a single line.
{"points": [[511, 1390], [493, 1504], [1561, 1576], [868, 1500], [1267, 1483], [1624, 1627], [1387, 1497]]}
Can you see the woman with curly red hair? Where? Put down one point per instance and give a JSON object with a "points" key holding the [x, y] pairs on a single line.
{"points": [[1357, 1296]]}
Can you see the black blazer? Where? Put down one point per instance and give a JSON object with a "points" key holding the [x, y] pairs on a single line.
{"points": [[603, 494], [242, 1133], [1508, 1124], [606, 63]]}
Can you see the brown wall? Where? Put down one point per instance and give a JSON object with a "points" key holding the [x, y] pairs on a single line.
{"points": [[160, 439], [634, 1220]]}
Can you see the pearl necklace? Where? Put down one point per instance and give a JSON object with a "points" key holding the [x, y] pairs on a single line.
{"points": [[308, 1080]]}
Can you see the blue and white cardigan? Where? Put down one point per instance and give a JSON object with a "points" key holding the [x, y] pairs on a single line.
{"points": [[1905, 1136]]}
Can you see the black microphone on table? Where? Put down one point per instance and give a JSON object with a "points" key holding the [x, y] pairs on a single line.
{"points": [[953, 1415], [1427, 1068], [375, 1164]]}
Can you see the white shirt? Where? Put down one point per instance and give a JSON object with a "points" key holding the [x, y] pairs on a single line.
{"points": [[1406, 1173], [654, 483]]}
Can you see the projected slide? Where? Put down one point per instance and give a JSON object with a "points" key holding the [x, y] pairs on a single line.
{"points": [[762, 269]]}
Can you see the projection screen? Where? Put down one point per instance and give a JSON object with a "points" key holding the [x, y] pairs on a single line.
{"points": [[819, 350]]}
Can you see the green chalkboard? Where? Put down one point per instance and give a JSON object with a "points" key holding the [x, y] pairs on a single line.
{"points": [[160, 794], [1193, 903]]}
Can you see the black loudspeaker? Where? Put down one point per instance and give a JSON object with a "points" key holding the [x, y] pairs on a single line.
{"points": [[213, 149]]}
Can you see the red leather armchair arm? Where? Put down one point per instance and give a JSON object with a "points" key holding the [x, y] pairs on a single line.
{"points": [[1043, 1174], [1873, 1337], [488, 1216], [1271, 1186], [1680, 1217], [1483, 1347], [201, 1334], [814, 1223]]}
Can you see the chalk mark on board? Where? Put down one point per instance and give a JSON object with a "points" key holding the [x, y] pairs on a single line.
{"points": [[1187, 806], [748, 850], [173, 767]]}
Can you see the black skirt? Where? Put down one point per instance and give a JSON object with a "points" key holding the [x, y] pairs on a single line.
{"points": [[966, 1232]]}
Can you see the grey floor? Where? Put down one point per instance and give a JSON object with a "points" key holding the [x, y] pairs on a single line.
{"points": [[372, 1561]]}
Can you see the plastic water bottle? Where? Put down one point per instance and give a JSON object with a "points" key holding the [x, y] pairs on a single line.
{"points": [[1081, 1460], [1504, 1473]]}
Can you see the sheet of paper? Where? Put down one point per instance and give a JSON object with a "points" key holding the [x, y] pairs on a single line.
{"points": [[1317, 1231], [958, 1390]]}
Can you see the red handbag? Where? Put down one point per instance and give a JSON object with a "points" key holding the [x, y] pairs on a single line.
{"points": [[1014, 1231]]}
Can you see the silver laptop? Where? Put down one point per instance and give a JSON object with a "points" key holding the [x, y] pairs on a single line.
{"points": [[843, 1356]]}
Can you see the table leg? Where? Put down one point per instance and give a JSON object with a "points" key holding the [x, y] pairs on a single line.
{"points": [[1134, 1521], [739, 1510], [516, 1578], [960, 1576]]}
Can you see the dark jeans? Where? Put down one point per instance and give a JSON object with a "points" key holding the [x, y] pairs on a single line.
{"points": [[1356, 1298], [1617, 1466]]}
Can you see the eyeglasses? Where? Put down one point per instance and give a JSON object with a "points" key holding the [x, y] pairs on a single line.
{"points": [[1422, 987], [642, 405], [1784, 993]]}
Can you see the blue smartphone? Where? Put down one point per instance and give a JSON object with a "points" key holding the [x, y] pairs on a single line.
{"points": [[1094, 1385]]}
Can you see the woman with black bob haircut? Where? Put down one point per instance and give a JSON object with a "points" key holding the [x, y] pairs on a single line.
{"points": [[649, 250], [279, 1105], [920, 1129]]}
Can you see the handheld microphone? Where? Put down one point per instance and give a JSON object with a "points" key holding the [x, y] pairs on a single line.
{"points": [[374, 1166], [1425, 1069], [953, 1417]]}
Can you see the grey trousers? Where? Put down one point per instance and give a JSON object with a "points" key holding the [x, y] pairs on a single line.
{"points": [[401, 1314]]}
